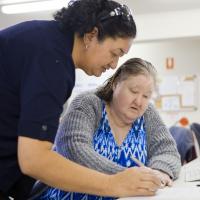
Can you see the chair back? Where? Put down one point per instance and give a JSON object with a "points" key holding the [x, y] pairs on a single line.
{"points": [[195, 127], [185, 143]]}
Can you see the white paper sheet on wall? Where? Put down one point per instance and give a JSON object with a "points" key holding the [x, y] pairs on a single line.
{"points": [[187, 90], [171, 103], [168, 85], [178, 92]]}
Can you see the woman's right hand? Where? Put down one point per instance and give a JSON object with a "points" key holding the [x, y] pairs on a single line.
{"points": [[135, 181]]}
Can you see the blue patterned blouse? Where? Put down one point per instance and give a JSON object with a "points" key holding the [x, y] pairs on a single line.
{"points": [[104, 143]]}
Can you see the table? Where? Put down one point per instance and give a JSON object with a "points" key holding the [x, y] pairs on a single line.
{"points": [[181, 190]]}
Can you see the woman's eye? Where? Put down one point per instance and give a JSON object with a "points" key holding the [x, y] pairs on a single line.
{"points": [[134, 92], [146, 96], [114, 55]]}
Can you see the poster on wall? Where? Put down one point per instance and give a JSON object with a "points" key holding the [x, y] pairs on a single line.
{"points": [[171, 102], [177, 93]]}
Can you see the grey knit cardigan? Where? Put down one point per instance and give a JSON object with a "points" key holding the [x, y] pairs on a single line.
{"points": [[82, 118]]}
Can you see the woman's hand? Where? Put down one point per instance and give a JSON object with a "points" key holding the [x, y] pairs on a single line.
{"points": [[136, 181], [165, 179]]}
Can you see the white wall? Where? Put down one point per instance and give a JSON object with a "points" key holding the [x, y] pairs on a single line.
{"points": [[168, 25], [186, 53], [171, 34], [8, 20], [158, 37], [187, 62]]}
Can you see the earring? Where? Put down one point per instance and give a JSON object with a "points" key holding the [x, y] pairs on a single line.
{"points": [[86, 46]]}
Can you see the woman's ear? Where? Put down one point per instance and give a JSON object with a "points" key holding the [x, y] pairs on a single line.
{"points": [[89, 37], [113, 85]]}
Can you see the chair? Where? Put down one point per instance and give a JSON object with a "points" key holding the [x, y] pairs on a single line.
{"points": [[185, 143], [195, 127]]}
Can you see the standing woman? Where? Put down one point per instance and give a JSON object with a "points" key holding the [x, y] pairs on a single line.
{"points": [[37, 74]]}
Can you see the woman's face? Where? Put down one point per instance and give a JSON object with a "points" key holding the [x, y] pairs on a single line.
{"points": [[131, 97], [101, 56]]}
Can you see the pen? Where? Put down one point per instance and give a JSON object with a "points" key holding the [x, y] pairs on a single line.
{"points": [[139, 163]]}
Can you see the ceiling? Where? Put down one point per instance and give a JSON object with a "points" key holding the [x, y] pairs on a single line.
{"points": [[137, 6], [152, 6], [145, 6]]}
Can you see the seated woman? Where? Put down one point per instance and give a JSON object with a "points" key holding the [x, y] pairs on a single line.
{"points": [[104, 129]]}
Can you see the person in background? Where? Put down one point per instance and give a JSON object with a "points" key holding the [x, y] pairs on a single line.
{"points": [[106, 129], [37, 74]]}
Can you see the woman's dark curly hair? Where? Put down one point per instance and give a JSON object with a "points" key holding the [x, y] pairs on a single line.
{"points": [[81, 16]]}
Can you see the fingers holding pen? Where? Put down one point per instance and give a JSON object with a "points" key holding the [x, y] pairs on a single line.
{"points": [[138, 181], [151, 177], [145, 181], [150, 181], [165, 178], [162, 179]]}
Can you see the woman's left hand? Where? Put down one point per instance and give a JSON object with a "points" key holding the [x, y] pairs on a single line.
{"points": [[165, 179]]}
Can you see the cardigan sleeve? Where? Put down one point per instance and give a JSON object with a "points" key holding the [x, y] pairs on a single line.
{"points": [[162, 151], [75, 134]]}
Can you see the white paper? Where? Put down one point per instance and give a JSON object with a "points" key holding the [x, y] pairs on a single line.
{"points": [[173, 193], [187, 90], [168, 85], [171, 103]]}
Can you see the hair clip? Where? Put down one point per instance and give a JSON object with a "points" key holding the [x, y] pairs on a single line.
{"points": [[122, 10]]}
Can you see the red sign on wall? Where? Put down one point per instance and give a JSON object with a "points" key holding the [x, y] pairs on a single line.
{"points": [[170, 63]]}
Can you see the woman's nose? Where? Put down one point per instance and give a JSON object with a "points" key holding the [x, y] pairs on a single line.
{"points": [[138, 100], [114, 63]]}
